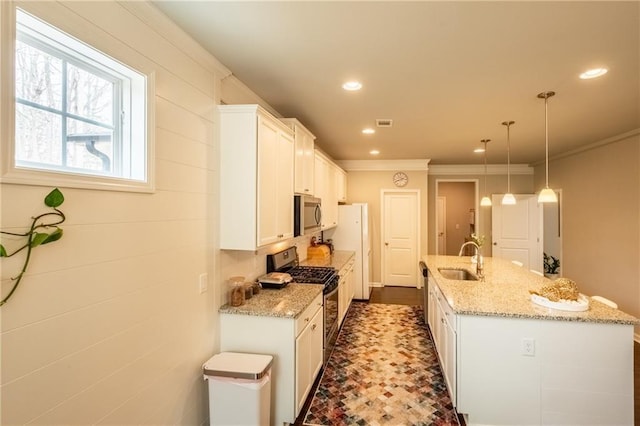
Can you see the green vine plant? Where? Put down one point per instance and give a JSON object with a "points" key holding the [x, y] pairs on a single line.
{"points": [[36, 236]]}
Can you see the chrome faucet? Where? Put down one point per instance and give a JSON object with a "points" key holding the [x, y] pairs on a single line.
{"points": [[479, 258]]}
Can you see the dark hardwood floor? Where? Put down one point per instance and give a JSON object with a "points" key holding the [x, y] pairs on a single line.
{"points": [[396, 295]]}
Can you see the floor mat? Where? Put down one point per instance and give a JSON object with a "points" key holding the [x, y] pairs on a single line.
{"points": [[383, 371]]}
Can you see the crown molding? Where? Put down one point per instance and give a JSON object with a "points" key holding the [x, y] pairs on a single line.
{"points": [[235, 92], [478, 169], [169, 30], [384, 165], [594, 145]]}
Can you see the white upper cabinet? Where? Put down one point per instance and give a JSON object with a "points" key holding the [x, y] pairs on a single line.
{"points": [[304, 161], [256, 178], [326, 184], [341, 177]]}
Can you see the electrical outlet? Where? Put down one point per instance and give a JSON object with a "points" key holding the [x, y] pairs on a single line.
{"points": [[528, 346], [203, 283]]}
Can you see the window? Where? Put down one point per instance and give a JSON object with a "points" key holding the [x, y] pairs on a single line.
{"points": [[77, 111]]}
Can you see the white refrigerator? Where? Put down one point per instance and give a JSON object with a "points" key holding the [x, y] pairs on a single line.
{"points": [[352, 233]]}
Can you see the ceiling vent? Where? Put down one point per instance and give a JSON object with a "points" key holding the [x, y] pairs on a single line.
{"points": [[384, 122]]}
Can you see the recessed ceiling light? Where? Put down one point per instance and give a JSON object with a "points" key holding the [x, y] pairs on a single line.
{"points": [[478, 150], [368, 131], [352, 86], [593, 73], [374, 152]]}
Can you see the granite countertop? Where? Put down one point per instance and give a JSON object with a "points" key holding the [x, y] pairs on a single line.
{"points": [[338, 259], [505, 292], [287, 302]]}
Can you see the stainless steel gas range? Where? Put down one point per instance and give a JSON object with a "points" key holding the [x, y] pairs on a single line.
{"points": [[287, 261]]}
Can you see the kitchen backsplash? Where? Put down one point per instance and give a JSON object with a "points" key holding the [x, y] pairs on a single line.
{"points": [[252, 264]]}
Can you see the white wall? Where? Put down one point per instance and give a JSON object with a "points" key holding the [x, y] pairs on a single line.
{"points": [[108, 327]]}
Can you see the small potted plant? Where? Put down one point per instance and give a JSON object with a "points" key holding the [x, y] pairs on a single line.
{"points": [[479, 240], [551, 266]]}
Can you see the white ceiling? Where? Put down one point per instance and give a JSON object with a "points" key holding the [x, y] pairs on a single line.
{"points": [[447, 73]]}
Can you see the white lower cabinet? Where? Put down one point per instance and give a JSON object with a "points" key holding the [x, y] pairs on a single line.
{"points": [[346, 289], [296, 346], [442, 322], [578, 372], [308, 358]]}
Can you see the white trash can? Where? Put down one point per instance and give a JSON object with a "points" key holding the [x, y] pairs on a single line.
{"points": [[239, 389]]}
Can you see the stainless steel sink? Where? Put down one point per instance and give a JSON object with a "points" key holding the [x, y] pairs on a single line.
{"points": [[457, 274]]}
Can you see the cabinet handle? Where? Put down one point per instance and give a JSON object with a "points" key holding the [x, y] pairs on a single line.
{"points": [[306, 319], [313, 327]]}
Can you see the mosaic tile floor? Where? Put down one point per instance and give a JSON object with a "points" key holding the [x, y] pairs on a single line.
{"points": [[383, 371]]}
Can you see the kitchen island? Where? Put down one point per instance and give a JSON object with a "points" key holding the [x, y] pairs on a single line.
{"points": [[509, 361]]}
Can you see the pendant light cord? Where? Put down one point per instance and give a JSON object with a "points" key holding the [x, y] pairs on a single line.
{"points": [[508, 124], [546, 140], [485, 167], [546, 96], [508, 160], [485, 142]]}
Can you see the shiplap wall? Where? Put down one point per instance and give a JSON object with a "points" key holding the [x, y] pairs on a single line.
{"points": [[108, 327]]}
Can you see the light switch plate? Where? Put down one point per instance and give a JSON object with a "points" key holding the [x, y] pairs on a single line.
{"points": [[203, 283]]}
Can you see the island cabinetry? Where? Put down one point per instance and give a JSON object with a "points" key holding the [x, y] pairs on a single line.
{"points": [[545, 366], [296, 345], [443, 323], [304, 159], [256, 178]]}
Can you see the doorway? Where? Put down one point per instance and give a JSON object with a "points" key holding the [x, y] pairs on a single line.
{"points": [[456, 213], [400, 237]]}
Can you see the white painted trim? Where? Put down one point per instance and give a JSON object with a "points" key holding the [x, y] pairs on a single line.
{"points": [[234, 91], [377, 165], [478, 169], [594, 145], [319, 152], [376, 284], [170, 31]]}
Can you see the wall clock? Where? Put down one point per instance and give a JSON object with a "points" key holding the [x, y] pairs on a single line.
{"points": [[400, 179]]}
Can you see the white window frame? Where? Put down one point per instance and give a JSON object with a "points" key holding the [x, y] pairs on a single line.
{"points": [[136, 158]]}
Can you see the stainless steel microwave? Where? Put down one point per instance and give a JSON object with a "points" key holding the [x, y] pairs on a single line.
{"points": [[307, 215]]}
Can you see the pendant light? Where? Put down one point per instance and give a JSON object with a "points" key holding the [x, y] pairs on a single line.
{"points": [[508, 199], [486, 201], [547, 195]]}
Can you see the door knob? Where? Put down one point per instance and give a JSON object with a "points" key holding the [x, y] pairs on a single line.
{"points": [[495, 244], [386, 244]]}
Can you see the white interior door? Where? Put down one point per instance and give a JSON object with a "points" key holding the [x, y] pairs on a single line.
{"points": [[400, 238], [441, 225], [516, 230]]}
